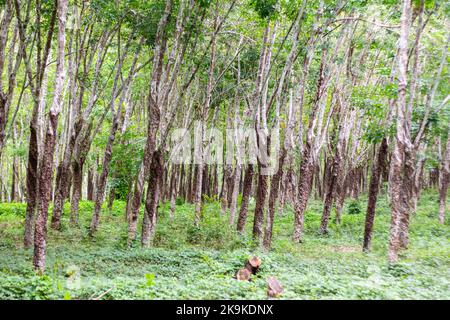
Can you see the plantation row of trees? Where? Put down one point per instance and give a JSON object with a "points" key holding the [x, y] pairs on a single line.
{"points": [[91, 91]]}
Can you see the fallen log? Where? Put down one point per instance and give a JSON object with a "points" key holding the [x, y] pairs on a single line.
{"points": [[253, 265], [274, 288], [243, 275]]}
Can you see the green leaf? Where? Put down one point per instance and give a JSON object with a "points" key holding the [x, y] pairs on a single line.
{"points": [[149, 277]]}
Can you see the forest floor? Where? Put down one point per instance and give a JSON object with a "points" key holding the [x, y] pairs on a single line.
{"points": [[199, 263]]}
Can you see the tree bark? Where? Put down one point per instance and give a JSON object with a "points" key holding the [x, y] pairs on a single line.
{"points": [[46, 169], [399, 202], [154, 119], [152, 199], [377, 167], [274, 188], [304, 190], [247, 189], [444, 178]]}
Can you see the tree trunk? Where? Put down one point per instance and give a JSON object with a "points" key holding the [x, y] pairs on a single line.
{"points": [[444, 178], [198, 194], [46, 168], [151, 203], [101, 186], [225, 187], [261, 194], [77, 183], [62, 184], [330, 190], [399, 202], [274, 188], [247, 189], [90, 185], [14, 180], [31, 182], [153, 121], [235, 193], [173, 189], [377, 167], [304, 190]]}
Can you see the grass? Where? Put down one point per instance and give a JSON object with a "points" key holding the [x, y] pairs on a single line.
{"points": [[199, 263]]}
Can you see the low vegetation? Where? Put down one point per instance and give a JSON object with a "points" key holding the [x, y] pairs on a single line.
{"points": [[187, 262]]}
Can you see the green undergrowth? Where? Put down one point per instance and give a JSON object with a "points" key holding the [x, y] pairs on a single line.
{"points": [[188, 262]]}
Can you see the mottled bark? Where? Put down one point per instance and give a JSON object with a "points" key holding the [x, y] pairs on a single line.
{"points": [[153, 121], [62, 185], [273, 197], [444, 178], [399, 203], [198, 199], [225, 188], [46, 168], [261, 194], [304, 190], [77, 181], [246, 191], [90, 185], [35, 82], [234, 194], [173, 189], [330, 193], [31, 183], [14, 181], [181, 190], [152, 199], [378, 164], [4, 96], [145, 168]]}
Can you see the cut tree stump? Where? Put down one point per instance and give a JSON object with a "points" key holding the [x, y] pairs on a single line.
{"points": [[253, 265], [274, 288], [243, 275]]}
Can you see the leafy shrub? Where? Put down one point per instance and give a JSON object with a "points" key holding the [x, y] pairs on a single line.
{"points": [[30, 287], [179, 201], [354, 207], [16, 209]]}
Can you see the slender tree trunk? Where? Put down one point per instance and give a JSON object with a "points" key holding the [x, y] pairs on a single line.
{"points": [[151, 203], [377, 167], [341, 190], [225, 187], [90, 185], [332, 184], [399, 202], [153, 122], [77, 181], [14, 181], [31, 182], [173, 189], [235, 193], [247, 189], [304, 190], [274, 188], [261, 194], [444, 178], [102, 180], [198, 194], [46, 169]]}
